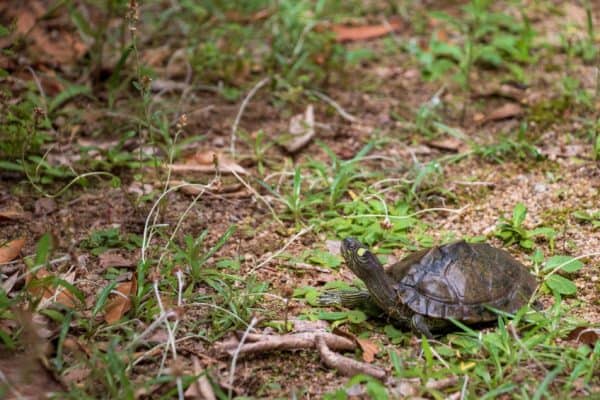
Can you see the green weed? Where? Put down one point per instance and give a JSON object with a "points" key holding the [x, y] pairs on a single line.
{"points": [[511, 231]]}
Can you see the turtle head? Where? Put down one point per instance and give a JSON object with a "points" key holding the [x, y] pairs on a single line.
{"points": [[359, 259]]}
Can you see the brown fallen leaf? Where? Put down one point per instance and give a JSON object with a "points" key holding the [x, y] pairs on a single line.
{"points": [[369, 349], [9, 282], [48, 45], [344, 33], [48, 292], [120, 301], [209, 161], [585, 335], [110, 259], [234, 190], [508, 110], [447, 144], [507, 91], [11, 250], [12, 212]]}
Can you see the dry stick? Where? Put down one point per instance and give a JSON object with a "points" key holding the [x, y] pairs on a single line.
{"points": [[236, 354], [292, 341], [171, 335], [451, 210], [285, 246], [343, 113], [345, 365], [441, 383], [249, 96], [151, 328], [463, 391], [258, 196]]}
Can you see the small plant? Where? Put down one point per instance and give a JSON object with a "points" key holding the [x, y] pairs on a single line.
{"points": [[489, 38], [507, 148], [100, 241], [298, 203], [336, 177], [195, 256], [372, 222], [511, 231], [549, 270], [588, 218]]}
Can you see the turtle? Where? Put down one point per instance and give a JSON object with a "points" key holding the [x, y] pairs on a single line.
{"points": [[462, 281]]}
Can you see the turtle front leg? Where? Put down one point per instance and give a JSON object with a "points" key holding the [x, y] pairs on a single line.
{"points": [[351, 298], [424, 325], [345, 298]]}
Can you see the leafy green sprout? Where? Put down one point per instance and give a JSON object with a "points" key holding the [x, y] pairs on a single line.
{"points": [[512, 231]]}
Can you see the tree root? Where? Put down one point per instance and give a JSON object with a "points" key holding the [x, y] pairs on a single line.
{"points": [[345, 365]]}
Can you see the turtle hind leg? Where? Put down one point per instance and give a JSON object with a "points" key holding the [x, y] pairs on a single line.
{"points": [[424, 325]]}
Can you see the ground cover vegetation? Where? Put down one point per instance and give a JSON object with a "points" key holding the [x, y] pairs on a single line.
{"points": [[176, 177]]}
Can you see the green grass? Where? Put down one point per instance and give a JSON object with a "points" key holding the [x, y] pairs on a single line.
{"points": [[203, 280]]}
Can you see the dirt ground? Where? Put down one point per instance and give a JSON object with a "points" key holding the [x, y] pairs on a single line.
{"points": [[565, 179]]}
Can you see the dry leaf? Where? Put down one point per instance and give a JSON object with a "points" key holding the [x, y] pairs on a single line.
{"points": [[204, 161], [301, 131], [110, 259], [508, 110], [11, 250], [234, 190], [51, 293], [369, 349], [585, 335], [60, 47], [120, 302], [157, 56], [365, 32], [12, 212], [503, 90], [8, 284], [447, 144]]}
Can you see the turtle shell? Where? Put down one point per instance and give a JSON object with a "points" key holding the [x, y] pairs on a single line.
{"points": [[461, 280]]}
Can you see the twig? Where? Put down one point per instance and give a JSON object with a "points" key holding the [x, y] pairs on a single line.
{"points": [[236, 355], [463, 391], [249, 96], [285, 246], [171, 334], [343, 113], [258, 196], [345, 365], [308, 267], [427, 210], [440, 384], [150, 328]]}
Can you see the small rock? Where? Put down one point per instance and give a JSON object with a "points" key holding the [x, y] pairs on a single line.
{"points": [[218, 141], [44, 206], [540, 188]]}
